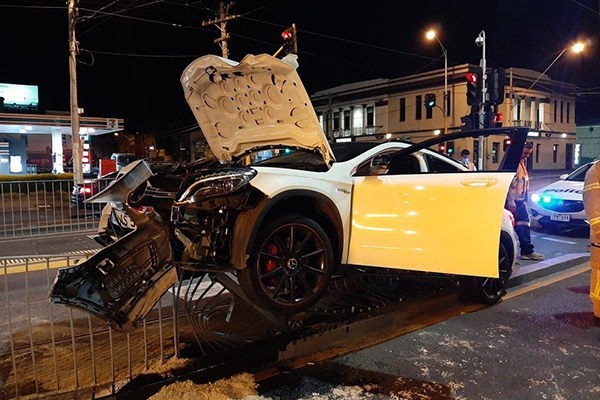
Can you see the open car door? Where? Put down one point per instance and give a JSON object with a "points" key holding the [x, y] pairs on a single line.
{"points": [[443, 220]]}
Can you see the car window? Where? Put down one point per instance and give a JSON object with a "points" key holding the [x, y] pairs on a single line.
{"points": [[579, 174], [436, 164]]}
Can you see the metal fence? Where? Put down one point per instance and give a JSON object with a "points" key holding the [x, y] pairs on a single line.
{"points": [[46, 350], [31, 208]]}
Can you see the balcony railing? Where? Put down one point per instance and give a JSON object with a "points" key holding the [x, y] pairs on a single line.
{"points": [[357, 131]]}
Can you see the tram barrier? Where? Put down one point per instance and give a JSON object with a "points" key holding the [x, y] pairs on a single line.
{"points": [[48, 350], [33, 208]]}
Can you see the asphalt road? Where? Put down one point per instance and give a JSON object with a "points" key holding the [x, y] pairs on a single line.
{"points": [[541, 342]]}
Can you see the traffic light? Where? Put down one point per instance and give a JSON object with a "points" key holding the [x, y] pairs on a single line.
{"points": [[442, 147], [474, 83], [470, 121], [498, 120], [290, 44], [430, 100], [495, 81], [506, 143], [450, 148], [489, 120]]}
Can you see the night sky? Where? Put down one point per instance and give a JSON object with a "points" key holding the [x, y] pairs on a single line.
{"points": [[134, 65]]}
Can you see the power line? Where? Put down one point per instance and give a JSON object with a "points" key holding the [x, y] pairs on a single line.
{"points": [[112, 53], [586, 7], [172, 24]]}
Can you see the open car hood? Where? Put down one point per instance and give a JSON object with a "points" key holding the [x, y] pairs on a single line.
{"points": [[256, 103]]}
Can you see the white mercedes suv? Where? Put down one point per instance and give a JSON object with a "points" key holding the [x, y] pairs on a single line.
{"points": [[284, 210]]}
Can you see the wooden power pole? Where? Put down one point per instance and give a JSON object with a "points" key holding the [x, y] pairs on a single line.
{"points": [[77, 167], [221, 24]]}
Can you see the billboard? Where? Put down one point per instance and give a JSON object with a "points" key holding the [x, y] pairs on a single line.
{"points": [[19, 96]]}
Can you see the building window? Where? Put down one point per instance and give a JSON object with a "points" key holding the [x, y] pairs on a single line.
{"points": [[537, 153], [346, 119], [428, 112], [495, 150], [561, 110], [336, 121], [370, 116], [554, 153], [568, 111], [402, 109], [418, 107], [555, 109]]}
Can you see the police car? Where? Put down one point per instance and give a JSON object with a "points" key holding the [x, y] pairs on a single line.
{"points": [[561, 202]]}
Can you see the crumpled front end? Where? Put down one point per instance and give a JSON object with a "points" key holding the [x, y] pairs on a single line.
{"points": [[125, 280]]}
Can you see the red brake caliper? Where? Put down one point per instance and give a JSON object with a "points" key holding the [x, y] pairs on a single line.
{"points": [[270, 265]]}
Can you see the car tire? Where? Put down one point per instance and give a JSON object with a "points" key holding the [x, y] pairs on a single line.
{"points": [[489, 290], [288, 279]]}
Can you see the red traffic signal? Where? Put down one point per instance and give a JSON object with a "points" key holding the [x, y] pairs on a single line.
{"points": [[441, 147], [474, 86], [287, 34], [471, 77], [498, 118]]}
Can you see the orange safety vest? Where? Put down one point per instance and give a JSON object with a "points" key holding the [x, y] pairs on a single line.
{"points": [[520, 183]]}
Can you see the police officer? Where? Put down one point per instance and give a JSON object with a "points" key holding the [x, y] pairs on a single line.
{"points": [[516, 203], [591, 202]]}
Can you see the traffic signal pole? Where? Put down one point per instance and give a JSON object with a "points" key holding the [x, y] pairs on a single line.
{"points": [[480, 41]]}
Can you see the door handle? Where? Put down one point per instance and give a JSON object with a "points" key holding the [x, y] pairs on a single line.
{"points": [[479, 182]]}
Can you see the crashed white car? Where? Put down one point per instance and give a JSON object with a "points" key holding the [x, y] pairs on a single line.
{"points": [[561, 202], [283, 211]]}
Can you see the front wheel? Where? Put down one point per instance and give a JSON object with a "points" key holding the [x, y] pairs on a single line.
{"points": [[290, 266], [490, 290]]}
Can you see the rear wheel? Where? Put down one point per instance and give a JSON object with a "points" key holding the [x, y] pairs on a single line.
{"points": [[490, 290], [290, 266]]}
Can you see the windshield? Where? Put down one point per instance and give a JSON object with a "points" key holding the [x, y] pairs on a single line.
{"points": [[579, 174], [287, 158]]}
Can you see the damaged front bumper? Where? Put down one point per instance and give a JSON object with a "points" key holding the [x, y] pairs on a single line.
{"points": [[125, 280]]}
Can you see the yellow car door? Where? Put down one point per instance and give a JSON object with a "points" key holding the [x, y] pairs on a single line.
{"points": [[446, 223]]}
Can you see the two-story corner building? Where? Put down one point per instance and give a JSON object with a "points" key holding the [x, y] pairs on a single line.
{"points": [[383, 109]]}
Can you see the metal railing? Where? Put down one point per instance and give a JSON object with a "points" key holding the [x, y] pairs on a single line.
{"points": [[31, 208], [46, 350]]}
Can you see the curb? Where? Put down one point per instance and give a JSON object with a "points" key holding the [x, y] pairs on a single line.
{"points": [[546, 267]]}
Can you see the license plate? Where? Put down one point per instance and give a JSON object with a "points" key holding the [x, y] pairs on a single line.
{"points": [[560, 217]]}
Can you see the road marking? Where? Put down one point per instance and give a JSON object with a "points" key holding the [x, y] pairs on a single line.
{"points": [[549, 281], [556, 240], [25, 264]]}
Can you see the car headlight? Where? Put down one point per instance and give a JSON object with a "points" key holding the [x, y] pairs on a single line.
{"points": [[535, 197], [218, 184]]}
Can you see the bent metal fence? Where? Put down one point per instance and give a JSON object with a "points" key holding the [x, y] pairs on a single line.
{"points": [[47, 350], [31, 208]]}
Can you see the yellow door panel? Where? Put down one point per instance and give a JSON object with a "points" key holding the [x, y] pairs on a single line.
{"points": [[447, 223]]}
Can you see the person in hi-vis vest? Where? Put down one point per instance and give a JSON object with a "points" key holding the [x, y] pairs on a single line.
{"points": [[516, 203], [591, 202]]}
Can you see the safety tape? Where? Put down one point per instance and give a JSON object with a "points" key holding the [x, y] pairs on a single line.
{"points": [[594, 221], [522, 223], [591, 186]]}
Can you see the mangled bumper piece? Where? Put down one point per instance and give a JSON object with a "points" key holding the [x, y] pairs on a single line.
{"points": [[124, 281]]}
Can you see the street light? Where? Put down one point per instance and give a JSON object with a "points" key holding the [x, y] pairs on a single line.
{"points": [[576, 48], [431, 35]]}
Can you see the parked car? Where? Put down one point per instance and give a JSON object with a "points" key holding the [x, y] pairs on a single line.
{"points": [[561, 202], [284, 210]]}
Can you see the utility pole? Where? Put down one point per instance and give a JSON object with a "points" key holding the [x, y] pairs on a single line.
{"points": [[221, 24], [77, 167]]}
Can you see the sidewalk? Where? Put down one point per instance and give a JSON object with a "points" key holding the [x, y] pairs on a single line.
{"points": [[527, 271]]}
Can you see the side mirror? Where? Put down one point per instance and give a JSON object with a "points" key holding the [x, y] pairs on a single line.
{"points": [[379, 165], [563, 177]]}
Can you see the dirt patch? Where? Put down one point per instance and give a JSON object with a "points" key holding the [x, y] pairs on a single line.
{"points": [[236, 387]]}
